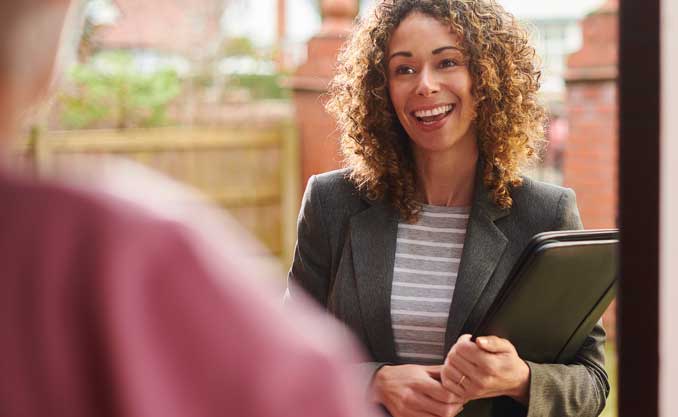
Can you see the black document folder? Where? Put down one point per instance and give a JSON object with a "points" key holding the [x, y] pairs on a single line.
{"points": [[555, 294], [552, 299]]}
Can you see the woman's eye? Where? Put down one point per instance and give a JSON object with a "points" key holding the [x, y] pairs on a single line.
{"points": [[446, 63], [404, 70]]}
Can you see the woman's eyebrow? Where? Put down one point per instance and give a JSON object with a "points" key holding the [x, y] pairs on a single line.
{"points": [[408, 54], [445, 48]]}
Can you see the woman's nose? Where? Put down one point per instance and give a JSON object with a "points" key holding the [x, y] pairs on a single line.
{"points": [[427, 83]]}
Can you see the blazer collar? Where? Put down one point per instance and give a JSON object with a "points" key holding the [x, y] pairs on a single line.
{"points": [[483, 248], [373, 245]]}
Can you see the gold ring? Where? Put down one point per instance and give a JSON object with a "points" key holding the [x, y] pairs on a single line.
{"points": [[461, 380]]}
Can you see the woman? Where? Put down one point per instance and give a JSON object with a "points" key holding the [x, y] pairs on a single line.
{"points": [[437, 103]]}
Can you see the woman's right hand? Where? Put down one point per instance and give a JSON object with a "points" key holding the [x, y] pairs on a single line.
{"points": [[414, 391]]}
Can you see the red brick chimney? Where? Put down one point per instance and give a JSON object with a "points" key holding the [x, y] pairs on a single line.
{"points": [[318, 136]]}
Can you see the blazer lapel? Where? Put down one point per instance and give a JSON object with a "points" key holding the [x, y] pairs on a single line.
{"points": [[373, 244], [483, 248]]}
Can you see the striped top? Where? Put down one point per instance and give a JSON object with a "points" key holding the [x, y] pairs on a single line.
{"points": [[426, 264]]}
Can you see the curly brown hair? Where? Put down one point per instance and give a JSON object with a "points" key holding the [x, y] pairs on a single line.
{"points": [[509, 120]]}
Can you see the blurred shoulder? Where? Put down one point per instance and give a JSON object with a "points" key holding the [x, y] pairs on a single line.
{"points": [[121, 207], [43, 203]]}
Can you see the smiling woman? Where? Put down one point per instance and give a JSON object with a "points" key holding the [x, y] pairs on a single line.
{"points": [[495, 52], [409, 245], [431, 92]]}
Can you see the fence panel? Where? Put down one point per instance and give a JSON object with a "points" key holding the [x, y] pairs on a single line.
{"points": [[251, 172]]}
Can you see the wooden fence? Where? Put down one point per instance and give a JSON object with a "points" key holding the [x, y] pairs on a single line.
{"points": [[253, 172]]}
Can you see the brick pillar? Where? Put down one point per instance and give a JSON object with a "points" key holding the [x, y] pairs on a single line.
{"points": [[318, 137], [590, 158]]}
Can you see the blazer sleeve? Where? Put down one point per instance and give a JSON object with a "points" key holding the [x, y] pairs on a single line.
{"points": [[312, 255], [581, 387]]}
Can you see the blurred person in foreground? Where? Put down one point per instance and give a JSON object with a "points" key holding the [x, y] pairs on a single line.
{"points": [[112, 307], [410, 244]]}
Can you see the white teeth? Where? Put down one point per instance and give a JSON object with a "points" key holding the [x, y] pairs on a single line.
{"points": [[433, 112]]}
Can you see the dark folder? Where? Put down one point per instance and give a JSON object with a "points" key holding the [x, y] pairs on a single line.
{"points": [[555, 294], [552, 299]]}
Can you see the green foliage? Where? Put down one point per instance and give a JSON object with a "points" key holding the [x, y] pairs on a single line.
{"points": [[260, 86], [239, 45], [111, 90]]}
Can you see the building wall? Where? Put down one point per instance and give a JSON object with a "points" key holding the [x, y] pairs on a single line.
{"points": [[187, 27], [591, 153], [590, 163], [554, 39]]}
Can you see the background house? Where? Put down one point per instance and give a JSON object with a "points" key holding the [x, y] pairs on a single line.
{"points": [[159, 31]]}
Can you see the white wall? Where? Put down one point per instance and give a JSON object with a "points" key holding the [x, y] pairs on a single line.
{"points": [[668, 256]]}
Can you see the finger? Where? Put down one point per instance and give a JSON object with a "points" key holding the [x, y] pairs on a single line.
{"points": [[494, 344], [434, 371], [450, 381], [465, 355], [436, 391], [434, 388], [419, 413], [464, 367], [454, 410], [485, 362], [471, 352], [430, 405]]}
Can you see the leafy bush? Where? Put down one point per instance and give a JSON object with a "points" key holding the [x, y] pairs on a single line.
{"points": [[111, 89], [260, 86]]}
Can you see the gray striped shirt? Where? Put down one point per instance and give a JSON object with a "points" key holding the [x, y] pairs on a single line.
{"points": [[426, 264]]}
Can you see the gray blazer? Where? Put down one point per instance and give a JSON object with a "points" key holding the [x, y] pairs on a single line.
{"points": [[345, 255]]}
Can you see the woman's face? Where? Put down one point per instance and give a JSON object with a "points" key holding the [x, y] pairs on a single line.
{"points": [[430, 85]]}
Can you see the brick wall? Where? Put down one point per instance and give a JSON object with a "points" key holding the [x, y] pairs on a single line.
{"points": [[590, 159]]}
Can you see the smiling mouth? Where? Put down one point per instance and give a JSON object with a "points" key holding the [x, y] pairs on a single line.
{"points": [[433, 115]]}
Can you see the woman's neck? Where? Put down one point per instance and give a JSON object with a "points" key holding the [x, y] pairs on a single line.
{"points": [[446, 178]]}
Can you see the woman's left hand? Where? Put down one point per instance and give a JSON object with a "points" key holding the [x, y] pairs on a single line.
{"points": [[490, 367]]}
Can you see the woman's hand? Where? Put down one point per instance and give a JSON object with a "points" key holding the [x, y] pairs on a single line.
{"points": [[414, 391], [490, 367]]}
